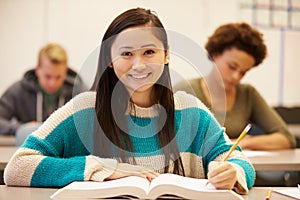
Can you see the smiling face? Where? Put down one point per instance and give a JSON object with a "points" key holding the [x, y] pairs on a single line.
{"points": [[138, 59], [233, 64]]}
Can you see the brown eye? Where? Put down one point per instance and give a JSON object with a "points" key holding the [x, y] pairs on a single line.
{"points": [[126, 53], [149, 52]]}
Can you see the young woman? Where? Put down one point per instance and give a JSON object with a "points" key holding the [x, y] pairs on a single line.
{"points": [[132, 125], [236, 48]]}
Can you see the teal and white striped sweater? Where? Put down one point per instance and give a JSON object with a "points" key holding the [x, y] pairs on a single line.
{"points": [[55, 155]]}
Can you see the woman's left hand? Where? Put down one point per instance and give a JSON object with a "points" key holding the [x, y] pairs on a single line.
{"points": [[222, 175]]}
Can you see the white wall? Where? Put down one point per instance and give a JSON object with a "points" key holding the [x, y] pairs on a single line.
{"points": [[26, 25]]}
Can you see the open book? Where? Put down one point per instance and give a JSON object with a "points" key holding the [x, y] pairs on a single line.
{"points": [[169, 186]]}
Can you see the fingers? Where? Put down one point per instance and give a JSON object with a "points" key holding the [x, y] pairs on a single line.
{"points": [[148, 174], [124, 170], [222, 175], [152, 175], [144, 173]]}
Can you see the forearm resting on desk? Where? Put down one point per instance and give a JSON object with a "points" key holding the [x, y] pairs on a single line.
{"points": [[265, 142]]}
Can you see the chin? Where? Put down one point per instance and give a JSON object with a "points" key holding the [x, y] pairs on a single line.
{"points": [[143, 88], [51, 91]]}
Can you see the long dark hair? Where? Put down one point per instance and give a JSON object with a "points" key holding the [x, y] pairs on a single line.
{"points": [[106, 82]]}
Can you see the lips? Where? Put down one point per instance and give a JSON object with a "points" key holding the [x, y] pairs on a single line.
{"points": [[139, 76]]}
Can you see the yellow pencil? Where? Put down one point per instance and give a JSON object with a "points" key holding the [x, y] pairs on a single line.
{"points": [[268, 197], [242, 135]]}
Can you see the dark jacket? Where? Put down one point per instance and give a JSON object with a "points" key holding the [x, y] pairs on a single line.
{"points": [[23, 101]]}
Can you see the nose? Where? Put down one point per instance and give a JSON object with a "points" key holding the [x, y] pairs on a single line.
{"points": [[138, 63], [236, 76]]}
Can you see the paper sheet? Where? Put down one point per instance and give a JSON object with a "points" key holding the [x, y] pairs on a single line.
{"points": [[294, 192]]}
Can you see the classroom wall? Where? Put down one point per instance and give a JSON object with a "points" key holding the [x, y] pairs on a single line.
{"points": [[26, 25]]}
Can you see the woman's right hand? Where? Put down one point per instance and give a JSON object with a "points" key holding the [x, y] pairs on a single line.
{"points": [[125, 169]]}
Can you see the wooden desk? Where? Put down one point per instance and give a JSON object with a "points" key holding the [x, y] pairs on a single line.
{"points": [[259, 193], [279, 160], [26, 193], [5, 155], [295, 129], [7, 140]]}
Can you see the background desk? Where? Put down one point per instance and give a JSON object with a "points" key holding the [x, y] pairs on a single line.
{"points": [[279, 160], [288, 160], [27, 193], [6, 153], [295, 129], [7, 140]]}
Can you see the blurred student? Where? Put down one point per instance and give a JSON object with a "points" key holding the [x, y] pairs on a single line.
{"points": [[28, 102], [235, 49], [132, 125]]}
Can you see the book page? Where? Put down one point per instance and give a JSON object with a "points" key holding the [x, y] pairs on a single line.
{"points": [[131, 181], [165, 185], [185, 182], [128, 186], [187, 188]]}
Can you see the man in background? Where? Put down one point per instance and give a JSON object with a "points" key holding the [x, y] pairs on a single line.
{"points": [[28, 102]]}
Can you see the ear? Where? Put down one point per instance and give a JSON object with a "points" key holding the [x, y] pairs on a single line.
{"points": [[37, 70], [214, 56], [167, 55], [111, 65]]}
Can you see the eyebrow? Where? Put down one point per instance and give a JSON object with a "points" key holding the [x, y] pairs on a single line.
{"points": [[146, 45]]}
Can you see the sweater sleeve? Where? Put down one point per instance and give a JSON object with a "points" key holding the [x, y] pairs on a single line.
{"points": [[266, 117], [55, 155], [29, 167], [7, 112], [211, 143], [217, 151]]}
